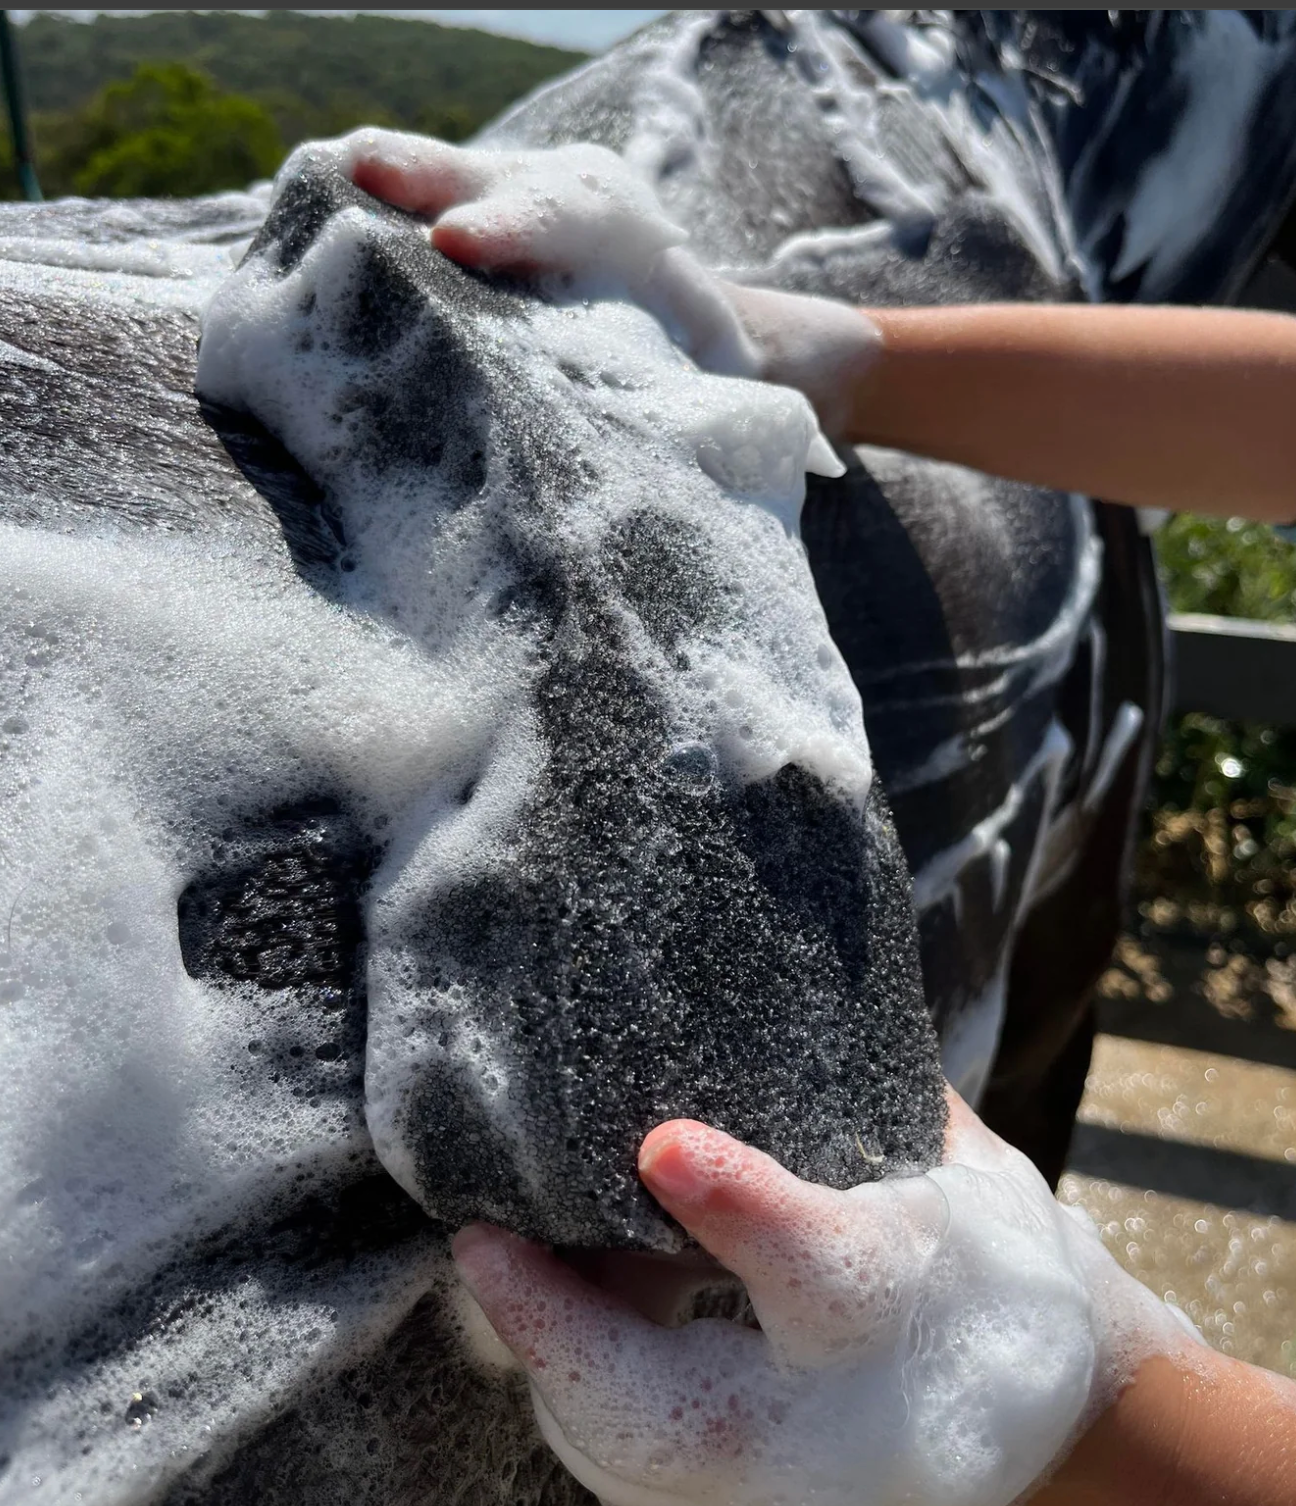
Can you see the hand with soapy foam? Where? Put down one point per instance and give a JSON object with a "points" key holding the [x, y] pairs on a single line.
{"points": [[938, 1339], [1174, 408], [931, 1339], [580, 210]]}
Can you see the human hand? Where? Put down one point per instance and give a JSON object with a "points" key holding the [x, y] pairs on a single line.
{"points": [[581, 212], [937, 1338]]}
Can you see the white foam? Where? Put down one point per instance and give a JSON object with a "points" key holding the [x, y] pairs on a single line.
{"points": [[581, 212], [133, 719], [1180, 189], [118, 278], [763, 689], [135, 1120], [227, 1370], [940, 875], [137, 716], [768, 692], [935, 1338], [152, 258], [155, 683], [670, 124]]}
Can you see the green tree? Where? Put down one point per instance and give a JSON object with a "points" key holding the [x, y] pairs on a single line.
{"points": [[166, 130], [1234, 568], [451, 122], [311, 75], [354, 69]]}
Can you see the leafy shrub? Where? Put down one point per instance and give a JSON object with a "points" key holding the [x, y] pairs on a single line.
{"points": [[166, 130], [1221, 852], [108, 118]]}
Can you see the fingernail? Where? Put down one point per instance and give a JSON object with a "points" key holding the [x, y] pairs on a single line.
{"points": [[668, 1167], [477, 1246], [471, 1237]]}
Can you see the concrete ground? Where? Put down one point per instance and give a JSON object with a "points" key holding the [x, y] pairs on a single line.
{"points": [[1185, 1146]]}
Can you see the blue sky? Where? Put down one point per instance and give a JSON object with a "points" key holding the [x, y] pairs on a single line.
{"points": [[586, 30]]}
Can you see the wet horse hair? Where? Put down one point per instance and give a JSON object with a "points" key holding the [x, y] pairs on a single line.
{"points": [[378, 853]]}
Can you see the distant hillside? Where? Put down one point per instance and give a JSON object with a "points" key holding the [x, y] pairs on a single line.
{"points": [[334, 66], [184, 102]]}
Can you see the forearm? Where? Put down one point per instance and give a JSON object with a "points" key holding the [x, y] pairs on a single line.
{"points": [[1188, 409], [1197, 1430]]}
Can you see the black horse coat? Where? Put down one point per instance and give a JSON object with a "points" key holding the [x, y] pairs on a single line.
{"points": [[376, 852]]}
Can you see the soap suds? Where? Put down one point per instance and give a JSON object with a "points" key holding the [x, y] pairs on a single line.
{"points": [[752, 440], [667, 500], [193, 734], [935, 1338], [137, 739]]}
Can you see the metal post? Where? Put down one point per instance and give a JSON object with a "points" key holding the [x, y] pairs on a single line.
{"points": [[17, 111]]}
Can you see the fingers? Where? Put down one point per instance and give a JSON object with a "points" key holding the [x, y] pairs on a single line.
{"points": [[453, 184], [494, 243], [970, 1142], [619, 1399], [826, 1271], [573, 209], [416, 173], [923, 1338], [732, 1197], [529, 1295], [466, 191]]}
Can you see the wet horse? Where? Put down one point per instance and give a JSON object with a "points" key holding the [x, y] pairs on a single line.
{"points": [[431, 761]]}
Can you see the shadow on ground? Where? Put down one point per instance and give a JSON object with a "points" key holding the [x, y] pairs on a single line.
{"points": [[1184, 1152]]}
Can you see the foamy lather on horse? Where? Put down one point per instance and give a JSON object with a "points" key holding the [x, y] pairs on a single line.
{"points": [[419, 790], [934, 1338]]}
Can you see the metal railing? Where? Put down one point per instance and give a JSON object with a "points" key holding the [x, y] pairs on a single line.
{"points": [[1233, 668]]}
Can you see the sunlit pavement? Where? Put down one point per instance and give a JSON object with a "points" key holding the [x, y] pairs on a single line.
{"points": [[1186, 1157]]}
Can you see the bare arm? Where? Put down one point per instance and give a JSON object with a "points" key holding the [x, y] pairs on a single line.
{"points": [[1215, 1432], [1189, 409], [1184, 408]]}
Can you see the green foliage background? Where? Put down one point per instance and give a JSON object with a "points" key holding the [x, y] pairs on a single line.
{"points": [[1221, 852], [163, 130], [188, 102]]}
